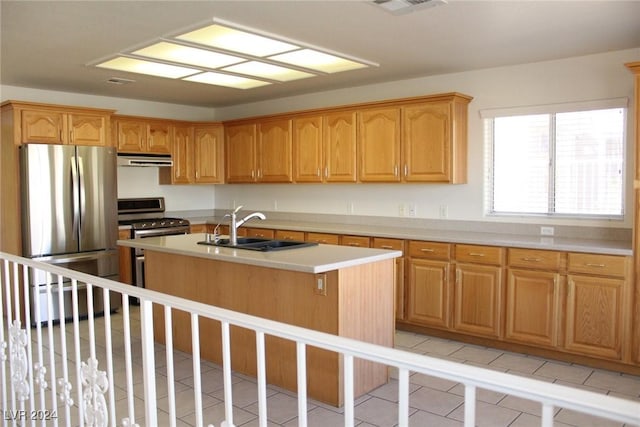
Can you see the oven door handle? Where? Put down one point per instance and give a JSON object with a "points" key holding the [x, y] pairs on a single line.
{"points": [[153, 232]]}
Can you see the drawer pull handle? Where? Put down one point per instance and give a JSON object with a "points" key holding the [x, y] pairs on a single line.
{"points": [[386, 247], [532, 259], [476, 254], [427, 250], [590, 264], [354, 244]]}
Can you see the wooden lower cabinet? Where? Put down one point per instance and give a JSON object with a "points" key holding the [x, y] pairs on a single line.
{"points": [[260, 232], [429, 293], [323, 238], [478, 300], [124, 260], [290, 235], [533, 307], [400, 285], [198, 228], [595, 316]]}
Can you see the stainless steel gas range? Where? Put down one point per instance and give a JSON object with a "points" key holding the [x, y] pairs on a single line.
{"points": [[146, 218]]}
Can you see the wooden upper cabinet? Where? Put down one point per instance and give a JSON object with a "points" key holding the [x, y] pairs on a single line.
{"points": [[183, 170], [240, 153], [426, 140], [140, 135], [324, 148], [158, 137], [57, 126], [307, 149], [339, 144], [209, 147], [434, 141], [379, 144], [275, 151]]}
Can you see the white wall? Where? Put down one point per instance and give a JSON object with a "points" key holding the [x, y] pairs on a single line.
{"points": [[567, 80], [133, 182]]}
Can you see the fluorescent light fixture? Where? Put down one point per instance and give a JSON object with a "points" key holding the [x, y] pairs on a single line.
{"points": [[132, 65], [268, 71], [230, 39], [220, 79], [188, 55], [315, 60]]}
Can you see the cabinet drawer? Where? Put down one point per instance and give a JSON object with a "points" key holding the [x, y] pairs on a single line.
{"points": [[260, 232], [198, 228], [431, 250], [531, 258], [356, 241], [326, 239], [606, 265], [290, 235], [383, 243], [480, 254]]}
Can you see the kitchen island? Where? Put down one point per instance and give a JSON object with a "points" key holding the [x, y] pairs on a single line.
{"points": [[340, 290]]}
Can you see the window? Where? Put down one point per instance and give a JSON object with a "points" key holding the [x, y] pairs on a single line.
{"points": [[566, 163]]}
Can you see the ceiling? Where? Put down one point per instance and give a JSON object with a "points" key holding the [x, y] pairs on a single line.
{"points": [[49, 44]]}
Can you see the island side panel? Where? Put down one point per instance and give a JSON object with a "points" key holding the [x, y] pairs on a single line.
{"points": [[366, 313], [281, 295]]}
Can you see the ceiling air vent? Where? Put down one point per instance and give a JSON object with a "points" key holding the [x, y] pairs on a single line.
{"points": [[400, 7], [119, 81]]}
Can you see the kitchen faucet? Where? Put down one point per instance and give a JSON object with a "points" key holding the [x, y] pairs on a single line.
{"points": [[235, 224]]}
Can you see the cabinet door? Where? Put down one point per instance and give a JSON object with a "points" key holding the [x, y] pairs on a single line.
{"points": [[379, 145], [88, 129], [274, 151], [240, 152], [132, 135], [124, 259], [429, 299], [159, 138], [183, 155], [43, 126], [533, 307], [339, 134], [478, 299], [594, 323], [208, 142], [426, 139], [307, 149]]}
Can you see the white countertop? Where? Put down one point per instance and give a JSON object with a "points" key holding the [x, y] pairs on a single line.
{"points": [[311, 259], [570, 244]]}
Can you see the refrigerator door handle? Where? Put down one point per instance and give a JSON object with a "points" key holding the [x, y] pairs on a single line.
{"points": [[75, 195], [83, 193]]}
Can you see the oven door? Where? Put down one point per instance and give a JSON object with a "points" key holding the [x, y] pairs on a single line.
{"points": [[137, 255]]}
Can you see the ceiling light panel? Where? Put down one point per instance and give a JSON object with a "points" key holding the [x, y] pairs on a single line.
{"points": [[132, 65], [230, 39], [315, 60], [188, 55], [268, 71], [220, 79]]}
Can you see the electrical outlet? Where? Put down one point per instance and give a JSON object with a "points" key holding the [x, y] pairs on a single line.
{"points": [[351, 208], [547, 231], [411, 209], [401, 209], [444, 211], [275, 205]]}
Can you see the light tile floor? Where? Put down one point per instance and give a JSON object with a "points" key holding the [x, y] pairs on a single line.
{"points": [[433, 401]]}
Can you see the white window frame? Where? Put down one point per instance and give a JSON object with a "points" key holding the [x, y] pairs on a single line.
{"points": [[488, 116]]}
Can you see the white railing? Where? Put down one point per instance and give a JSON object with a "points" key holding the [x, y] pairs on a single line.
{"points": [[51, 374]]}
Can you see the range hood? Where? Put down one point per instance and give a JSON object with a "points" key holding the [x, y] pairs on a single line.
{"points": [[144, 160]]}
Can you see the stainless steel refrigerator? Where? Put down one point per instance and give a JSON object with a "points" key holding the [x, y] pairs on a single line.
{"points": [[69, 218]]}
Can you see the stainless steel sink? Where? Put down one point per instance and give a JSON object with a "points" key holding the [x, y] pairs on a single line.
{"points": [[260, 244]]}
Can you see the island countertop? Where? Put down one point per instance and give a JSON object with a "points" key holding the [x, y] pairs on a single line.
{"points": [[311, 259]]}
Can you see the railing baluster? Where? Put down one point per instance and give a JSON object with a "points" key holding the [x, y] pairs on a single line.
{"points": [[195, 350], [348, 391], [226, 372], [52, 354], [27, 317], [148, 362], [127, 358], [5, 286], [469, 405], [262, 380], [403, 397], [106, 298], [171, 396], [63, 344], [547, 415], [301, 358], [78, 356]]}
